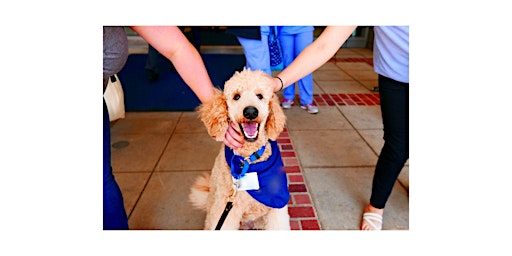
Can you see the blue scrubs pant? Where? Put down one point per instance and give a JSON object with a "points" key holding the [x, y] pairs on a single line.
{"points": [[257, 55], [292, 45]]}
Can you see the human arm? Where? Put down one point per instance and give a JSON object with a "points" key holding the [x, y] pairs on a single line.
{"points": [[315, 55], [172, 43]]}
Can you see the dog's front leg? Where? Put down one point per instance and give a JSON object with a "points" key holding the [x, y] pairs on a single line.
{"points": [[278, 219]]}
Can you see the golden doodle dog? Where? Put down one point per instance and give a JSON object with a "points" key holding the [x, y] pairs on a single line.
{"points": [[247, 187]]}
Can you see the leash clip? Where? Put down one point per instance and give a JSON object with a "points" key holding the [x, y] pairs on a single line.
{"points": [[236, 185]]}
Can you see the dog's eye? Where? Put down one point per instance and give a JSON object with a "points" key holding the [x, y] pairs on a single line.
{"points": [[236, 97], [259, 96]]}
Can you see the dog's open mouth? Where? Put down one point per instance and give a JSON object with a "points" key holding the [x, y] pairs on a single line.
{"points": [[250, 130]]}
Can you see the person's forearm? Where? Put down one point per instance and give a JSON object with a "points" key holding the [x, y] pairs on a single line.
{"points": [[170, 42], [191, 68], [315, 55]]}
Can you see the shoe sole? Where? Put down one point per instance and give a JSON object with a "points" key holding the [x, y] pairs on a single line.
{"points": [[287, 107], [308, 110]]}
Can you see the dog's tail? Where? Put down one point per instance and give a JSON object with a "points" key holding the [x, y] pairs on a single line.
{"points": [[199, 192]]}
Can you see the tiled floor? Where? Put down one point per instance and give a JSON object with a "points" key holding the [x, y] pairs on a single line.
{"points": [[329, 157]]}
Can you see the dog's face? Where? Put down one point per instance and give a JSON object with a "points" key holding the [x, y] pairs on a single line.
{"points": [[249, 102], [248, 97]]}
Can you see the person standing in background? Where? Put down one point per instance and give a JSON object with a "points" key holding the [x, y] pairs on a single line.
{"points": [[254, 41], [293, 40]]}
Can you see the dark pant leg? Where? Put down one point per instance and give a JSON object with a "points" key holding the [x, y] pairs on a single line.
{"points": [[152, 61], [394, 102], [114, 214]]}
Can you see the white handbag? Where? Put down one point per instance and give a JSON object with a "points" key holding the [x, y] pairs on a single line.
{"points": [[114, 98]]}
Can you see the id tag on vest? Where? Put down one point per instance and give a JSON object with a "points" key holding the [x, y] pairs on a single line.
{"points": [[248, 182]]}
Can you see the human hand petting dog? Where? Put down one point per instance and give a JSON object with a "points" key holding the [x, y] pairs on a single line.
{"points": [[233, 137]]}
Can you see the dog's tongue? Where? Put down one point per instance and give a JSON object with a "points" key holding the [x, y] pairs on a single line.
{"points": [[250, 129]]}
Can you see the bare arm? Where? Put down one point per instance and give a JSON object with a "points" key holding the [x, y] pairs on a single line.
{"points": [[170, 42], [315, 55]]}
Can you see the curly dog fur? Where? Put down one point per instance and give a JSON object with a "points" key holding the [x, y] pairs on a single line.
{"points": [[249, 102]]}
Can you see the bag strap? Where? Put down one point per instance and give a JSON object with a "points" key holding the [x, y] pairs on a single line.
{"points": [[274, 31]]}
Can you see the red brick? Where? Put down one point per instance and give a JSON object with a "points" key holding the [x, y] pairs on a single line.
{"points": [[284, 140], [297, 188], [301, 199], [301, 211], [310, 225], [294, 225], [290, 169], [290, 161], [288, 154], [286, 147], [369, 102], [296, 178]]}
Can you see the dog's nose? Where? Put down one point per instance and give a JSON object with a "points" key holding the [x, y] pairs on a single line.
{"points": [[250, 113]]}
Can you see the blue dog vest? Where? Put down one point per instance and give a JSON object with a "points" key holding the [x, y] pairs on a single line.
{"points": [[273, 191]]}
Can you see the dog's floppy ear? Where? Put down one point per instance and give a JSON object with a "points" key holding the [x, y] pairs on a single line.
{"points": [[276, 119], [214, 115]]}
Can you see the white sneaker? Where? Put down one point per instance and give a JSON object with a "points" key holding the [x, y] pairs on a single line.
{"points": [[287, 103], [310, 108]]}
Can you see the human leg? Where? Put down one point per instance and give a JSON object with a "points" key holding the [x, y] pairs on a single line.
{"points": [[114, 214], [152, 64], [394, 100], [256, 53], [287, 46], [302, 40], [305, 85]]}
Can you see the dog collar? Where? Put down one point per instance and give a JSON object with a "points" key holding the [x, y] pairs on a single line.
{"points": [[240, 165]]}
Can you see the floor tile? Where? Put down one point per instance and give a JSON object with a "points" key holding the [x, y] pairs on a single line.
{"points": [[347, 86], [329, 75], [363, 117], [146, 122], [348, 66], [189, 152], [189, 122], [364, 52], [403, 178], [374, 138], [329, 66], [164, 204], [362, 75], [330, 148], [369, 84], [342, 193], [131, 185], [347, 53], [326, 118], [137, 152]]}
